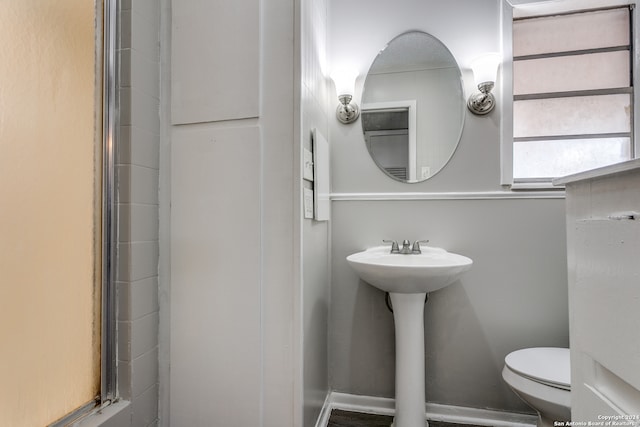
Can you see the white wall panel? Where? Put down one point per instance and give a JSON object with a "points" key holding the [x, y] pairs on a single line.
{"points": [[215, 65], [215, 277]]}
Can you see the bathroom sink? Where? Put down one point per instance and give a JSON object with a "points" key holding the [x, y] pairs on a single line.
{"points": [[429, 271], [408, 278]]}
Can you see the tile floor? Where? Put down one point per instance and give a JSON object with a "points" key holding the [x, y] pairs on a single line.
{"points": [[340, 418]]}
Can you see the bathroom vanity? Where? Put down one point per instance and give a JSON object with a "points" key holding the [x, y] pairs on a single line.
{"points": [[603, 243]]}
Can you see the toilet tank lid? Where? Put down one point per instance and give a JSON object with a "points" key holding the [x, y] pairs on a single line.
{"points": [[545, 364]]}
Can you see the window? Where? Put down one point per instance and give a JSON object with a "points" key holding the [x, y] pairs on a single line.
{"points": [[572, 93]]}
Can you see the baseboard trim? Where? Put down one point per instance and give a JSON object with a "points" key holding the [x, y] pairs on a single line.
{"points": [[325, 412], [435, 411]]}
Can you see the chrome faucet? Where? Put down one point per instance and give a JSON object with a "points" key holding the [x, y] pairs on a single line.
{"points": [[406, 247], [394, 246], [416, 246]]}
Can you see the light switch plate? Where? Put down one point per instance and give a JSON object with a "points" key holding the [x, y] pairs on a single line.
{"points": [[308, 203], [308, 165]]}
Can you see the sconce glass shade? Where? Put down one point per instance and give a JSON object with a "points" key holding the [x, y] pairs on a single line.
{"points": [[485, 68], [345, 81], [485, 71]]}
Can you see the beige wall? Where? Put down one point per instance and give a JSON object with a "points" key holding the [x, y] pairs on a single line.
{"points": [[49, 324]]}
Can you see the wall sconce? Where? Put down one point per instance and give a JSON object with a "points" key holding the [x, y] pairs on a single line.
{"points": [[345, 80], [485, 71]]}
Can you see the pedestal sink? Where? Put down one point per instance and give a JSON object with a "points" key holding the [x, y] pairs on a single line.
{"points": [[408, 278]]}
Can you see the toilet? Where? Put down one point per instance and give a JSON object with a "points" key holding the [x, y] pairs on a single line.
{"points": [[541, 377]]}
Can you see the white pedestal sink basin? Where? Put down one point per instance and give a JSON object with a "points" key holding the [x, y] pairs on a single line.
{"points": [[408, 278]]}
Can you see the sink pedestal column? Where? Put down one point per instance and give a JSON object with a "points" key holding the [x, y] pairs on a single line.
{"points": [[408, 316]]}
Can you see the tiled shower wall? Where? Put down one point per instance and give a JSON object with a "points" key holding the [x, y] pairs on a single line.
{"points": [[137, 169]]}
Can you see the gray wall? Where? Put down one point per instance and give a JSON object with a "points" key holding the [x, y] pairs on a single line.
{"points": [[514, 296], [315, 235]]}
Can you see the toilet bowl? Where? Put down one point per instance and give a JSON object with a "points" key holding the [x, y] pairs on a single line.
{"points": [[541, 377]]}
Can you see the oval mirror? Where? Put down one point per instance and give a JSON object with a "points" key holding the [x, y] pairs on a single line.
{"points": [[413, 107]]}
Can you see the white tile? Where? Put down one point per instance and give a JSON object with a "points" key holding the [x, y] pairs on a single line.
{"points": [[144, 372], [123, 142], [123, 273], [139, 147], [124, 341], [137, 299], [124, 27], [145, 223], [144, 74], [145, 408], [144, 335], [124, 379], [145, 148], [124, 300], [143, 261], [144, 297], [145, 36], [125, 106], [139, 109], [149, 9], [123, 179], [137, 222], [124, 222], [125, 67], [125, 4], [137, 261], [143, 186], [144, 110]]}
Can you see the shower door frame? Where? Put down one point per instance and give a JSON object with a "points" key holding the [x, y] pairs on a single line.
{"points": [[108, 383], [107, 115]]}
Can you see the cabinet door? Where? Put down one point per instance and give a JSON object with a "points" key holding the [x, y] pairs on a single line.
{"points": [[605, 320]]}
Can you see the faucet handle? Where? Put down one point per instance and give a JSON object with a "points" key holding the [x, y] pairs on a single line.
{"points": [[394, 246], [416, 246]]}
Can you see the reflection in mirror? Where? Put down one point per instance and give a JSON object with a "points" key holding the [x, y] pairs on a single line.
{"points": [[413, 107]]}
